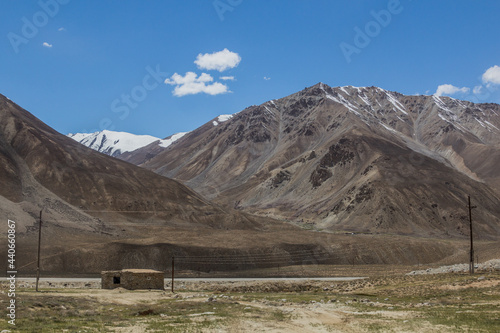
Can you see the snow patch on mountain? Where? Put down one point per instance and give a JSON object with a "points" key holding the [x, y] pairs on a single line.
{"points": [[341, 100], [396, 103], [345, 90], [364, 99], [490, 124], [167, 142], [224, 117], [389, 128], [115, 143], [449, 116], [79, 136], [440, 103]]}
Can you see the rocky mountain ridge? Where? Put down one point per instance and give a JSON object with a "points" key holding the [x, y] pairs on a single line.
{"points": [[305, 159], [349, 158]]}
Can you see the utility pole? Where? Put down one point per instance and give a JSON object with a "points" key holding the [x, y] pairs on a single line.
{"points": [[471, 259], [172, 287], [39, 243]]}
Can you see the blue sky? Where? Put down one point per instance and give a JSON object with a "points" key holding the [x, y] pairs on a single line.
{"points": [[72, 63]]}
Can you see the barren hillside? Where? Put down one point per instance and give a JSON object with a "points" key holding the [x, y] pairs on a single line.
{"points": [[348, 158]]}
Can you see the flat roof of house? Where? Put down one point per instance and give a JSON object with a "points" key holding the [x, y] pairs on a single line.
{"points": [[135, 270]]}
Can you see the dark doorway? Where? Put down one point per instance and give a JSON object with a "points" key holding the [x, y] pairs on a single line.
{"points": [[116, 280]]}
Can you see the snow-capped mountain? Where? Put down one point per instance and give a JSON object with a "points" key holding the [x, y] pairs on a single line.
{"points": [[145, 152], [117, 143]]}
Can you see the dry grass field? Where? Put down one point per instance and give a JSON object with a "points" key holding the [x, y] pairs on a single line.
{"points": [[394, 302]]}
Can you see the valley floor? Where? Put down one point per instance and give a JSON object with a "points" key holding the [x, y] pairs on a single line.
{"points": [[452, 302]]}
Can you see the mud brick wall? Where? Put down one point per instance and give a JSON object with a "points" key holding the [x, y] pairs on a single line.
{"points": [[132, 279]]}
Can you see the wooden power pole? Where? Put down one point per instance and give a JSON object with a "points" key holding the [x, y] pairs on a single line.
{"points": [[172, 286], [39, 243], [471, 258]]}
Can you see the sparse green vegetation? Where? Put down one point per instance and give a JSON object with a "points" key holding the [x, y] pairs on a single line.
{"points": [[434, 303]]}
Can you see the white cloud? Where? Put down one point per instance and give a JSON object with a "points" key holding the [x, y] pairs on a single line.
{"points": [[267, 78], [47, 44], [61, 29], [492, 75], [191, 84], [448, 89], [227, 78], [220, 61]]}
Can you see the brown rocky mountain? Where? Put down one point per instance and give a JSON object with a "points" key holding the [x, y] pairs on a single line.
{"points": [[349, 159], [90, 200], [103, 213], [43, 169]]}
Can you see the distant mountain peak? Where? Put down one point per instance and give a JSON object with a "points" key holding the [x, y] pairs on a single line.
{"points": [[116, 143]]}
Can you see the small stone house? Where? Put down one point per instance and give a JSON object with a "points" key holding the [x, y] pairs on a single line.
{"points": [[133, 279]]}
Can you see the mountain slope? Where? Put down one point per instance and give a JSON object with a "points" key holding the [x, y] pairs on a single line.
{"points": [[93, 204], [44, 169], [348, 158], [147, 152]]}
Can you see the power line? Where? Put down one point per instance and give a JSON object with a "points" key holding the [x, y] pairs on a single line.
{"points": [[51, 256], [252, 256], [215, 262]]}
